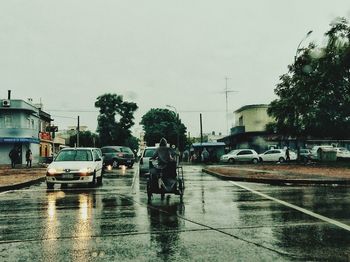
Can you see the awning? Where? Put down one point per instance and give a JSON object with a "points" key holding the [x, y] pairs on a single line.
{"points": [[208, 144], [19, 140]]}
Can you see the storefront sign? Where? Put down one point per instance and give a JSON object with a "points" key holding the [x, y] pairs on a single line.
{"points": [[18, 140]]}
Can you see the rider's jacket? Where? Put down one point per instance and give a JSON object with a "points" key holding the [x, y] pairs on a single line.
{"points": [[164, 155]]}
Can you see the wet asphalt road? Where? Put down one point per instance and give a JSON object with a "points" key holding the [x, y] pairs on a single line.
{"points": [[217, 221]]}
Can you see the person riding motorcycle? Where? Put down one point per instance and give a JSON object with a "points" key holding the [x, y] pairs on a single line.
{"points": [[166, 158]]}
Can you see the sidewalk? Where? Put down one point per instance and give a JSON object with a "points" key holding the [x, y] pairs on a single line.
{"points": [[15, 178], [282, 174]]}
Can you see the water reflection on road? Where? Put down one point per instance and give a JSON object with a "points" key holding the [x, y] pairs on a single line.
{"points": [[164, 228]]}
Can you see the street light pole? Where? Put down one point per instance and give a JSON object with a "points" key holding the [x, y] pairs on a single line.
{"points": [[302, 40]]}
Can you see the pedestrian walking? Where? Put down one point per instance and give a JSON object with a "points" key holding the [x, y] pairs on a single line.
{"points": [[287, 155], [29, 157], [205, 155], [13, 155]]}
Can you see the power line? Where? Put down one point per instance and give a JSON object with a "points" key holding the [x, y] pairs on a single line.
{"points": [[90, 111], [64, 117], [72, 110]]}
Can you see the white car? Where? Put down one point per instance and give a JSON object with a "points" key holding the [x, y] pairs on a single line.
{"points": [[75, 166], [316, 151], [147, 153], [277, 155], [342, 152], [240, 155]]}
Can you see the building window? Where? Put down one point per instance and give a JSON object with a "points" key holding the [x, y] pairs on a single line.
{"points": [[28, 123], [33, 125], [240, 121], [8, 121]]}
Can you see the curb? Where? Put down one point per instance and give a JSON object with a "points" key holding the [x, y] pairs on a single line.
{"points": [[344, 182], [21, 185]]}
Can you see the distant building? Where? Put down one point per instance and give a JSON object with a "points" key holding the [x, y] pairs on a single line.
{"points": [[250, 129], [21, 123], [46, 141], [213, 137], [66, 134], [250, 132], [251, 118]]}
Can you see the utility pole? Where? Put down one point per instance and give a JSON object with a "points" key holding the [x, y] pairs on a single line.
{"points": [[227, 91], [78, 131], [200, 122]]}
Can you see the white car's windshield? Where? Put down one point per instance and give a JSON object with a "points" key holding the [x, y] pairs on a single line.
{"points": [[233, 152], [74, 155]]}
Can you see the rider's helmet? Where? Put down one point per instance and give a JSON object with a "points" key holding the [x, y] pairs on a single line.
{"points": [[163, 142]]}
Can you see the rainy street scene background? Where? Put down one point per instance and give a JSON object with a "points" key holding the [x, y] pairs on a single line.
{"points": [[174, 130]]}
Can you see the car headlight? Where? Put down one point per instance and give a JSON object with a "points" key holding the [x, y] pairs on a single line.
{"points": [[53, 171], [85, 170]]}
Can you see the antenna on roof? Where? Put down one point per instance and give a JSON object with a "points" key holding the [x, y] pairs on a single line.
{"points": [[227, 91]]}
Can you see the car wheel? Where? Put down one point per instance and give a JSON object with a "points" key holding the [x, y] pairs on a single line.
{"points": [[255, 161], [231, 161], [115, 163], [281, 159], [50, 185]]}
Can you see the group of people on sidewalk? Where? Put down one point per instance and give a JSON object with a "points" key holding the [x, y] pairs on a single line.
{"points": [[196, 156], [15, 155]]}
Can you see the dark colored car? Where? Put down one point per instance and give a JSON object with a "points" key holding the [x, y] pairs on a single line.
{"points": [[118, 155]]}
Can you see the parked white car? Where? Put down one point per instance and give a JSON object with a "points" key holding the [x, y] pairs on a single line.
{"points": [[276, 155], [75, 166], [240, 155], [147, 153], [316, 151], [342, 152]]}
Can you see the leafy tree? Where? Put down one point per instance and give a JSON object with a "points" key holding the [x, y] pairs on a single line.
{"points": [[86, 139], [133, 143], [158, 123], [115, 119], [314, 95]]}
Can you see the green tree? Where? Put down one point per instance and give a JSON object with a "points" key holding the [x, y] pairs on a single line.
{"points": [[115, 119], [133, 143], [158, 123], [314, 95]]}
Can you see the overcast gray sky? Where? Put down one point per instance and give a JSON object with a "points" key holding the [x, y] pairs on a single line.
{"points": [[154, 52]]}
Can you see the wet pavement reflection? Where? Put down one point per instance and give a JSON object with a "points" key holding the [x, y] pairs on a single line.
{"points": [[216, 221]]}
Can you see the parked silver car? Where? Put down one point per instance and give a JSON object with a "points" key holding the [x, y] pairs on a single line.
{"points": [[240, 155], [144, 160]]}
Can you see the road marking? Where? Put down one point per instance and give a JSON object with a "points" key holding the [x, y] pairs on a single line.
{"points": [[303, 210], [2, 193], [134, 180]]}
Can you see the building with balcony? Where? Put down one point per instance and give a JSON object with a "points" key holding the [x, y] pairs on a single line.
{"points": [[21, 126], [250, 129]]}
